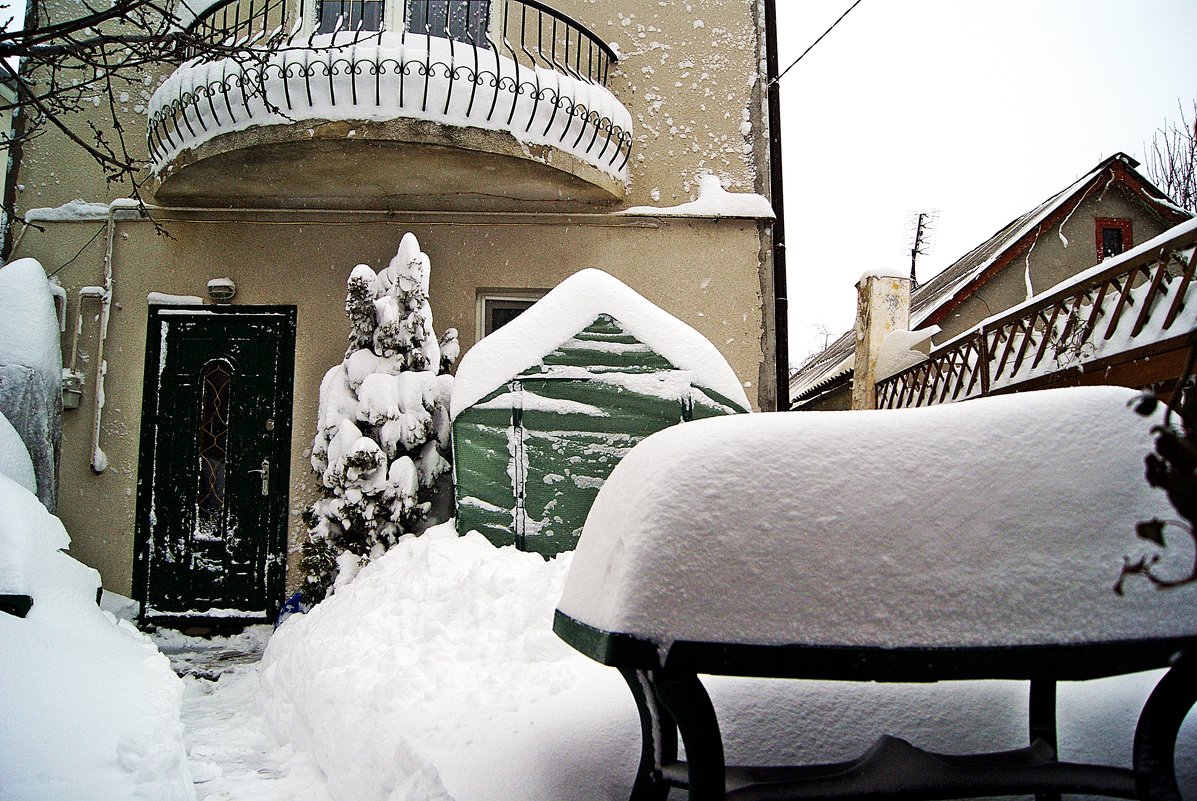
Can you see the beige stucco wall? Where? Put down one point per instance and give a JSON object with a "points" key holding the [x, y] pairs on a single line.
{"points": [[702, 271]]}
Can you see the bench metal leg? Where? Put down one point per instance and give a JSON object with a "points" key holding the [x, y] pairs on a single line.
{"points": [[687, 700], [1159, 724], [658, 738], [1042, 717]]}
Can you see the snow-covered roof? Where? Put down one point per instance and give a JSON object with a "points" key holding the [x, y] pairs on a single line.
{"points": [[713, 201], [567, 309], [998, 521]]}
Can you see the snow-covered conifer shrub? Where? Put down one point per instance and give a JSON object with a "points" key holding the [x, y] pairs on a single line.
{"points": [[382, 432]]}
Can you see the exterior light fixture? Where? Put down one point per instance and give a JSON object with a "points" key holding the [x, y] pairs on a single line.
{"points": [[221, 290]]}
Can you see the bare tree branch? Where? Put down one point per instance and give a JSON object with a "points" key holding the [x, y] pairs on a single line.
{"points": [[1172, 159]]}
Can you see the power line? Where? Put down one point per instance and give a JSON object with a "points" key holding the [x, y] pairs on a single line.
{"points": [[815, 42]]}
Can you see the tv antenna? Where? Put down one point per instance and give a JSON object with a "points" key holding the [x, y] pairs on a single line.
{"points": [[920, 238]]}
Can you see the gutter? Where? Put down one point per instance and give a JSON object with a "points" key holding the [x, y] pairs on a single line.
{"points": [[781, 306]]}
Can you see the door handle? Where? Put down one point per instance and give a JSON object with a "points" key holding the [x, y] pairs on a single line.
{"points": [[265, 471]]}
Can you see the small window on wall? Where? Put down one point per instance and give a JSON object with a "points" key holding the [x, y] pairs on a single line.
{"points": [[496, 308], [1113, 236]]}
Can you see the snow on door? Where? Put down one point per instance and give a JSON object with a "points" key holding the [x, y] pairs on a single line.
{"points": [[214, 465]]}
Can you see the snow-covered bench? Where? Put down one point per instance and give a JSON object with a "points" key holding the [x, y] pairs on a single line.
{"points": [[971, 541]]}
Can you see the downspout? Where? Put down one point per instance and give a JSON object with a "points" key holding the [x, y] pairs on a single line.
{"points": [[99, 459], [781, 306]]}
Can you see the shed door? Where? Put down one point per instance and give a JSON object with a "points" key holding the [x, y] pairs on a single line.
{"points": [[570, 436], [215, 455]]}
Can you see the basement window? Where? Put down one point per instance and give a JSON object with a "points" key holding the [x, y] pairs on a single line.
{"points": [[498, 307], [1113, 236]]}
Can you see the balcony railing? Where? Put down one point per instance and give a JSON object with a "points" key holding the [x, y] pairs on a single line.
{"points": [[1146, 297], [511, 64], [527, 31]]}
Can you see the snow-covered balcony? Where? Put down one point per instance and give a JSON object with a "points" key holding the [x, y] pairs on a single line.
{"points": [[379, 102]]}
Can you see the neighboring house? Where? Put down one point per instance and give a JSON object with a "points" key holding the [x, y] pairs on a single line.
{"points": [[520, 141], [1106, 212]]}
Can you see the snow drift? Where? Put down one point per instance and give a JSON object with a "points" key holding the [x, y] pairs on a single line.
{"points": [[90, 709], [31, 368], [1000, 521]]}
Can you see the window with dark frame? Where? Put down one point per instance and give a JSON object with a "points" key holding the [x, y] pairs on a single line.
{"points": [[350, 15], [460, 20], [1113, 236], [499, 309]]}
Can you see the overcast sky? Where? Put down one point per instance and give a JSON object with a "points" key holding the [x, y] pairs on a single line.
{"points": [[979, 108]]}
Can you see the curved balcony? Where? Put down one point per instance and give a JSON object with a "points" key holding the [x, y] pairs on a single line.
{"points": [[380, 105]]}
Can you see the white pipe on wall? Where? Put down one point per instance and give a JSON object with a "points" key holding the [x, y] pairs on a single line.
{"points": [[99, 459]]}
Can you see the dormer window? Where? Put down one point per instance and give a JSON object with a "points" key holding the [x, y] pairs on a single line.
{"points": [[1113, 236]]}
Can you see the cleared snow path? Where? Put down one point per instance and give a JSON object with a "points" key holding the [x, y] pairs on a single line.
{"points": [[231, 753]]}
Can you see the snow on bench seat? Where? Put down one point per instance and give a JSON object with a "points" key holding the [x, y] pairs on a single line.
{"points": [[995, 523]]}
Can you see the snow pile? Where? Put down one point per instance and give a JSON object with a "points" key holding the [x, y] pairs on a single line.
{"points": [[999, 521], [383, 430], [31, 368], [435, 675], [90, 709], [713, 201], [389, 76], [570, 307]]}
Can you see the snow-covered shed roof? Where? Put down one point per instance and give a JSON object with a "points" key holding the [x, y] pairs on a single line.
{"points": [[965, 524], [932, 299], [570, 307]]}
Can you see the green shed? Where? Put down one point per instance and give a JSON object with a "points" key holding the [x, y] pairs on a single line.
{"points": [[545, 407]]}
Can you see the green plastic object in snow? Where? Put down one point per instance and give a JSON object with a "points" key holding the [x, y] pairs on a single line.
{"points": [[531, 456]]}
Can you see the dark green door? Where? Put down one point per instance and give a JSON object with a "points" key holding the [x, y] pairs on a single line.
{"points": [[214, 468]]}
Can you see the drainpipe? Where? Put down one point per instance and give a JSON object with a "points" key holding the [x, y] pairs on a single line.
{"points": [[99, 459], [781, 306]]}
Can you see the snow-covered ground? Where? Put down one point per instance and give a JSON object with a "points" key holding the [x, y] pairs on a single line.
{"points": [[89, 709], [434, 675]]}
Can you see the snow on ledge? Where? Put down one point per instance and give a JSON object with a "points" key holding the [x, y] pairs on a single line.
{"points": [[567, 309], [992, 522], [713, 201], [167, 299], [882, 272], [77, 210]]}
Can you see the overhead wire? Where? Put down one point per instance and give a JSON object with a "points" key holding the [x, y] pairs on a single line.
{"points": [[812, 44]]}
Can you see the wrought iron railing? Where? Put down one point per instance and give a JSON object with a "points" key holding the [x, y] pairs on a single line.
{"points": [[483, 61], [1144, 298], [527, 31]]}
